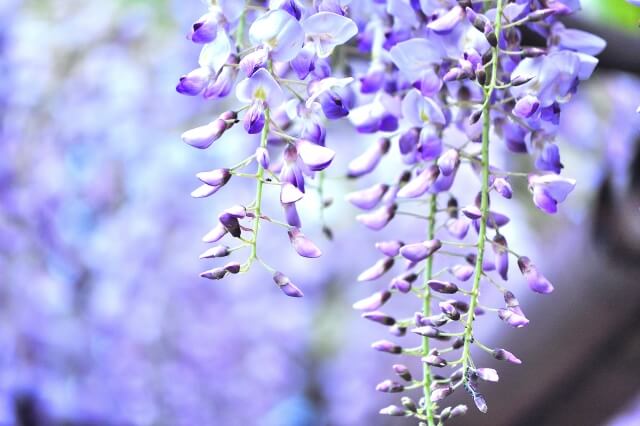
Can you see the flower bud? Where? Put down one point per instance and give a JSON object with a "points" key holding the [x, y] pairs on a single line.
{"points": [[369, 160], [389, 386], [379, 317], [262, 157], [389, 248], [408, 404], [202, 137], [378, 219], [303, 245], [367, 199], [449, 310], [373, 302], [441, 393], [217, 251], [204, 30], [537, 282], [394, 410], [426, 331], [286, 285], [420, 184], [386, 346], [487, 374], [443, 286], [377, 270], [420, 251], [402, 371], [505, 355], [217, 177], [194, 82]]}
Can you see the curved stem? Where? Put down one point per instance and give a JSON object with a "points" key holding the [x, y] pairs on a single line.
{"points": [[484, 200], [426, 310]]}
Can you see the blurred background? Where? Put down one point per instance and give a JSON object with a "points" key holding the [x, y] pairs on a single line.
{"points": [[104, 320]]}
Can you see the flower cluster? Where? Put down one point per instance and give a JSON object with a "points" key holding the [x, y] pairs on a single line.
{"points": [[279, 51], [445, 80], [442, 79]]}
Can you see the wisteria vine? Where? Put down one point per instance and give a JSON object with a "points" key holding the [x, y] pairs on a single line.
{"points": [[442, 80]]}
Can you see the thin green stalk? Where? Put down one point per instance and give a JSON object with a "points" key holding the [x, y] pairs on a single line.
{"points": [[426, 310], [484, 200], [259, 186]]}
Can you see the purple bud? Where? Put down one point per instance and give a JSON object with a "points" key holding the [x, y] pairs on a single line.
{"points": [[254, 117], [386, 346], [433, 320], [254, 61], [480, 402], [503, 187], [458, 410], [408, 141], [526, 106], [462, 272], [420, 251], [217, 251], [472, 212], [505, 355], [204, 191], [291, 214], [435, 360], [215, 234], [377, 270], [449, 162], [368, 198], [202, 137], [379, 317], [286, 285], [487, 374], [194, 83], [458, 228], [316, 157], [512, 318], [441, 393], [332, 105], [204, 30], [402, 371], [394, 410], [303, 63], [537, 282], [426, 331], [379, 218], [302, 245], [445, 287], [501, 255], [403, 284], [430, 146], [217, 177], [373, 302], [389, 248], [290, 194], [214, 274], [231, 224], [262, 157], [409, 404], [449, 310], [420, 184], [389, 386], [367, 161], [447, 22]]}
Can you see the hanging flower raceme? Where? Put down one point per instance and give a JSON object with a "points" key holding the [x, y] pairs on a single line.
{"points": [[448, 78], [278, 55]]}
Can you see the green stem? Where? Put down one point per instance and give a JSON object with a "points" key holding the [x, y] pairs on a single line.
{"points": [[259, 186], [484, 200], [426, 310]]}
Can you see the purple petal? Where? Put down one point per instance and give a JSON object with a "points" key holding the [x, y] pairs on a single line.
{"points": [[316, 157], [302, 245]]}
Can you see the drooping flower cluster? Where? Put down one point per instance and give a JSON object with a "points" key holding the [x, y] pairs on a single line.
{"points": [[279, 53], [439, 79], [447, 79]]}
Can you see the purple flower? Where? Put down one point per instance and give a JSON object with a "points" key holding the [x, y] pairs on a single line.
{"points": [[445, 287], [379, 317], [420, 184], [389, 386], [285, 284], [302, 245], [503, 354], [260, 87], [202, 137], [314, 156], [205, 29], [377, 270], [418, 110], [420, 251], [526, 106], [194, 83], [537, 282], [549, 190], [447, 22], [386, 346], [368, 198], [368, 160], [379, 218], [279, 33], [326, 30], [389, 248], [373, 302]]}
